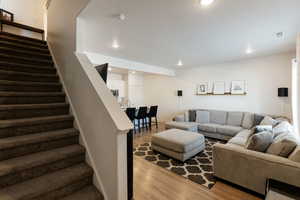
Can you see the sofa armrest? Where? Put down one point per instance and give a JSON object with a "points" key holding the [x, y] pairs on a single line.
{"points": [[251, 169]]}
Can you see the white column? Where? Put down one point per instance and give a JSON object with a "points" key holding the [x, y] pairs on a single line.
{"points": [[297, 120]]}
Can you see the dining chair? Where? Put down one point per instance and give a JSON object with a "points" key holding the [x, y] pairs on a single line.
{"points": [[131, 115], [152, 114], [142, 117]]}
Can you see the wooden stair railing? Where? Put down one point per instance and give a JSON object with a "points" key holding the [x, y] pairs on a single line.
{"points": [[6, 15]]}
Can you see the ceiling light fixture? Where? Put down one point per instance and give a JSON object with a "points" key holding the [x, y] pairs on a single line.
{"points": [[180, 63], [133, 72], [115, 44], [249, 50], [206, 2], [110, 69]]}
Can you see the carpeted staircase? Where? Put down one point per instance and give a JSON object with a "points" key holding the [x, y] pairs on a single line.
{"points": [[40, 154]]}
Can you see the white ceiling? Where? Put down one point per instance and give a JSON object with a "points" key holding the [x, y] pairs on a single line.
{"points": [[160, 32]]}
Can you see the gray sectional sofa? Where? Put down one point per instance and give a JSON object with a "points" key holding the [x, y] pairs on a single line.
{"points": [[233, 161], [215, 123]]}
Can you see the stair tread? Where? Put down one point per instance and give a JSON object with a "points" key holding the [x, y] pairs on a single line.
{"points": [[28, 74], [25, 51], [24, 38], [22, 83], [32, 106], [12, 142], [31, 48], [26, 65], [46, 183], [30, 94], [26, 58], [38, 159], [35, 120], [87, 193]]}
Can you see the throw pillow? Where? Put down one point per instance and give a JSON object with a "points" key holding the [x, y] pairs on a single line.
{"points": [[261, 128], [202, 117], [192, 115], [295, 156], [186, 116], [260, 141], [248, 120], [282, 127], [268, 121], [257, 119], [283, 145]]}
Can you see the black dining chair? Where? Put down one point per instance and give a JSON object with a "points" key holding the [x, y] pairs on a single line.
{"points": [[152, 114], [131, 115], [142, 116]]}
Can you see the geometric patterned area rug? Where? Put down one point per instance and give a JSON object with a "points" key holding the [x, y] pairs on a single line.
{"points": [[198, 169]]}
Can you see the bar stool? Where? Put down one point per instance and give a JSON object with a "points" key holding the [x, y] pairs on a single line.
{"points": [[131, 115], [142, 116], [152, 114]]}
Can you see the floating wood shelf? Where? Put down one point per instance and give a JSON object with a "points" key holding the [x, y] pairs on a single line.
{"points": [[225, 94]]}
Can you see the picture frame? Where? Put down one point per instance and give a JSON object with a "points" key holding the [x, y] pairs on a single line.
{"points": [[219, 88], [202, 88], [238, 87]]}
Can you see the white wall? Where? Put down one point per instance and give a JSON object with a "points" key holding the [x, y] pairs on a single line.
{"points": [[298, 80], [28, 12], [136, 91], [102, 124], [262, 75]]}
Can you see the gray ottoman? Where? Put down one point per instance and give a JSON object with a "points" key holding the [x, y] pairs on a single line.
{"points": [[178, 144], [188, 126]]}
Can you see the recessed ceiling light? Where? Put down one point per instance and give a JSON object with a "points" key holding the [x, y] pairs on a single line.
{"points": [[206, 2], [133, 72], [179, 63], [249, 50], [115, 44], [122, 16]]}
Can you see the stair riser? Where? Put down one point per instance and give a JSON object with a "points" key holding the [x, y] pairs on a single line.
{"points": [[24, 48], [17, 77], [18, 177], [23, 42], [65, 191], [38, 147], [16, 68], [30, 129], [28, 88], [29, 113], [26, 54], [32, 100], [25, 61]]}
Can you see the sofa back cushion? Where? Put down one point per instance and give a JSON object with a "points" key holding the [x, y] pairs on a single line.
{"points": [[248, 120], [257, 119], [218, 117], [295, 156], [235, 118], [202, 116]]}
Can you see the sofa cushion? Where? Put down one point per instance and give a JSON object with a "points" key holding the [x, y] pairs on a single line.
{"points": [[248, 120], [268, 121], [235, 118], [212, 128], [188, 126], [218, 117], [295, 155], [241, 138], [283, 145], [282, 127], [257, 119], [260, 141], [202, 117], [229, 130], [178, 140]]}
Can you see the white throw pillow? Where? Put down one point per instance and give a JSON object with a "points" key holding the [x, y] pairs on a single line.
{"points": [[202, 117], [186, 117], [268, 121], [283, 127]]}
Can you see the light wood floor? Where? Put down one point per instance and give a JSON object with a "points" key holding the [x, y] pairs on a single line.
{"points": [[152, 182]]}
